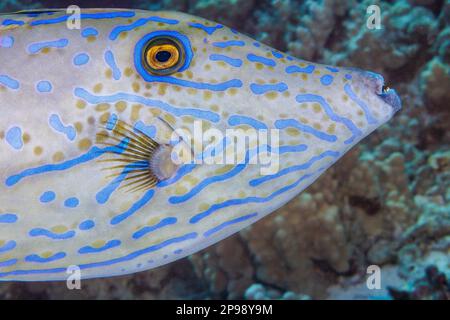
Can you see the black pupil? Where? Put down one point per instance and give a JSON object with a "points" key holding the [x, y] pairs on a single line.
{"points": [[163, 56]]}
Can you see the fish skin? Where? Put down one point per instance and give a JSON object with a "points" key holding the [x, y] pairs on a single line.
{"points": [[55, 208]]}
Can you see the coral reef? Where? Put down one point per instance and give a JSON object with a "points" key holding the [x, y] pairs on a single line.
{"points": [[433, 286], [387, 202]]}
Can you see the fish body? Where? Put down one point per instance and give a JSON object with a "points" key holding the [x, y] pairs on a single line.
{"points": [[61, 87]]}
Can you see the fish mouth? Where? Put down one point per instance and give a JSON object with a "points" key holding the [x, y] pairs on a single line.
{"points": [[391, 97], [375, 82]]}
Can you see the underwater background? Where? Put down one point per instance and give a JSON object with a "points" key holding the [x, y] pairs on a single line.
{"points": [[385, 203]]}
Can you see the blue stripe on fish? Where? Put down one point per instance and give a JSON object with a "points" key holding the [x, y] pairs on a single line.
{"points": [[148, 229], [41, 232], [229, 223], [109, 245]]}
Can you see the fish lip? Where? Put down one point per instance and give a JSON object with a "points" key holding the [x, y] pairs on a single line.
{"points": [[391, 98], [377, 83]]}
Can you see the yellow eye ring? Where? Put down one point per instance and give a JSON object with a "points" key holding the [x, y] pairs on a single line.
{"points": [[163, 56]]}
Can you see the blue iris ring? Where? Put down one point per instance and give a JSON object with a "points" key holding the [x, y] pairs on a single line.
{"points": [[162, 36]]}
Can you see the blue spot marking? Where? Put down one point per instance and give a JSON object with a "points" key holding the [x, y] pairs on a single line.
{"points": [[14, 138], [296, 69], [294, 148], [56, 123], [326, 80], [86, 225], [178, 251], [285, 123], [47, 197], [8, 218], [332, 69], [11, 22], [8, 246], [112, 121], [257, 44], [6, 41], [138, 23], [231, 61], [39, 259], [208, 30], [348, 76], [41, 232], [81, 59], [277, 54], [131, 256], [110, 244], [264, 88], [8, 263], [206, 182], [111, 62], [71, 202], [236, 120], [89, 32], [228, 223], [231, 43], [9, 82], [149, 131], [370, 119], [197, 113], [83, 16], [304, 166], [44, 86], [36, 47], [147, 229], [233, 202], [333, 116], [92, 154], [103, 195], [134, 208], [266, 61]]}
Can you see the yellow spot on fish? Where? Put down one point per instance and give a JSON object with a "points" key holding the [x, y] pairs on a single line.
{"points": [[98, 87], [80, 104], [207, 95], [135, 109], [271, 95], [179, 190], [104, 117], [98, 244], [292, 132], [26, 138], [128, 72], [162, 89], [37, 151], [78, 127], [120, 106], [58, 156], [59, 229], [102, 107], [136, 87], [84, 144], [46, 254]]}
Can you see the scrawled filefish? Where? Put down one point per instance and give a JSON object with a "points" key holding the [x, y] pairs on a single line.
{"points": [[90, 172]]}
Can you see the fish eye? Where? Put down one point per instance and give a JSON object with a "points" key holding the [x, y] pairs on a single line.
{"points": [[163, 56]]}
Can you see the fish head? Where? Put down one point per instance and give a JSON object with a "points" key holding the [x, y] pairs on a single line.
{"points": [[97, 183]]}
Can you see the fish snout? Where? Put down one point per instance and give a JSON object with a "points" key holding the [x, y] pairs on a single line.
{"points": [[375, 83]]}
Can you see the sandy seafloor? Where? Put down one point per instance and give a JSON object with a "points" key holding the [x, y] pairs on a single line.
{"points": [[386, 202]]}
